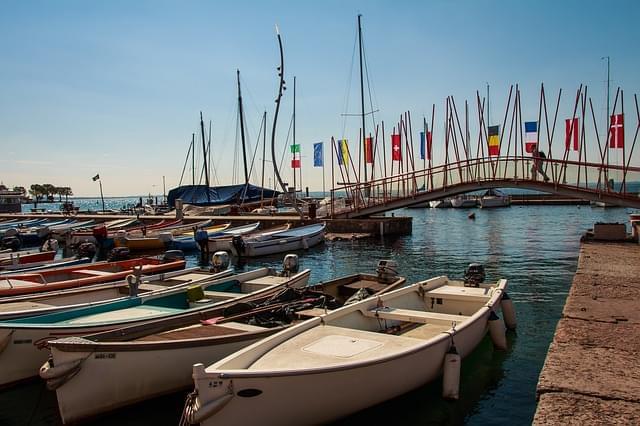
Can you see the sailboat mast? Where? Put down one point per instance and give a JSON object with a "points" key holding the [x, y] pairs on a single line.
{"points": [[193, 158], [294, 134], [244, 152], [264, 147], [364, 133], [204, 154]]}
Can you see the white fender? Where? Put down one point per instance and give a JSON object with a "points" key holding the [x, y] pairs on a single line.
{"points": [[198, 414], [451, 374], [497, 332], [60, 374], [508, 312]]}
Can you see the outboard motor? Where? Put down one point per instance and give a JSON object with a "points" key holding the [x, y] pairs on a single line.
{"points": [[43, 232], [387, 270], [11, 242], [172, 255], [50, 245], [87, 249], [238, 244], [219, 261], [290, 265], [118, 253], [474, 275]]}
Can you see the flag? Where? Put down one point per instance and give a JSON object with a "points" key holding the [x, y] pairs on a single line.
{"points": [[295, 150], [531, 135], [318, 157], [571, 134], [96, 177], [426, 152], [343, 152], [396, 150], [368, 150], [616, 131], [494, 141]]}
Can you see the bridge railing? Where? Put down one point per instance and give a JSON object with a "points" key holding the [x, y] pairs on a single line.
{"points": [[467, 175]]}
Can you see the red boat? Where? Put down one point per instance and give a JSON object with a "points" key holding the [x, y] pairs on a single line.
{"points": [[81, 275], [18, 258]]}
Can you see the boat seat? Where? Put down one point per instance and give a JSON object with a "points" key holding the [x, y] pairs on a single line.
{"points": [[92, 272], [449, 292], [220, 295], [410, 315]]}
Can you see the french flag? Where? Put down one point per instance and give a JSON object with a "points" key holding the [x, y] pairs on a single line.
{"points": [[531, 135]]}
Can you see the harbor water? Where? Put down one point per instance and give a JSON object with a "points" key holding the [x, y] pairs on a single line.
{"points": [[534, 247]]}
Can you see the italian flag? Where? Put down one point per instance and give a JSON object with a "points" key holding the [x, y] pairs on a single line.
{"points": [[295, 161]]}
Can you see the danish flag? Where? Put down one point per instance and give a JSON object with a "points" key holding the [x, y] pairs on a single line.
{"points": [[616, 131]]}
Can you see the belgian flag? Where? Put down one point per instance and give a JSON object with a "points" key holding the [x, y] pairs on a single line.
{"points": [[494, 141]]}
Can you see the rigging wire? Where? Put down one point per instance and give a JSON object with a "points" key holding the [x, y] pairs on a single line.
{"points": [[345, 102]]}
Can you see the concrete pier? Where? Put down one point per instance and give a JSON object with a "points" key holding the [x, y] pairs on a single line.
{"points": [[592, 371]]}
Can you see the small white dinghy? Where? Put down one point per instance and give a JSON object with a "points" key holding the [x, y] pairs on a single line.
{"points": [[378, 348]]}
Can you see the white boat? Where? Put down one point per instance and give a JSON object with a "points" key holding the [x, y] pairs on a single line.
{"points": [[464, 201], [226, 243], [440, 204], [373, 350], [278, 242], [22, 339], [494, 198], [157, 357], [54, 301]]}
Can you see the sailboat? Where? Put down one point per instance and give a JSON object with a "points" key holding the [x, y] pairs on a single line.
{"points": [[206, 195]]}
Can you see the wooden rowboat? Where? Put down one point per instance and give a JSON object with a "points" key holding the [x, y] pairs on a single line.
{"points": [[82, 275], [279, 242], [154, 358], [376, 349], [21, 339]]}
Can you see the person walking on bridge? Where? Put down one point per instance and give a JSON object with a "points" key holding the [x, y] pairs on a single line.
{"points": [[538, 163]]}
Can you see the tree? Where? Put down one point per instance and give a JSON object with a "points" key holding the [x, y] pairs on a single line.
{"points": [[66, 191]]}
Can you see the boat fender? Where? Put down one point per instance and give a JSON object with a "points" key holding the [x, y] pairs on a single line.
{"points": [[497, 332], [58, 375], [508, 312], [198, 414], [451, 374]]}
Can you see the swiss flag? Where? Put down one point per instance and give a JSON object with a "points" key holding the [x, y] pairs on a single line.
{"points": [[396, 150], [616, 131]]}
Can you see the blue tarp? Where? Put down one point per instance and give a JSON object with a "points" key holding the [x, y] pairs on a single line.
{"points": [[230, 194]]}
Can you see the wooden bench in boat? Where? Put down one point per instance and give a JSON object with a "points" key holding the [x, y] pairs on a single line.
{"points": [[220, 295], [450, 292], [92, 272], [151, 287], [410, 315]]}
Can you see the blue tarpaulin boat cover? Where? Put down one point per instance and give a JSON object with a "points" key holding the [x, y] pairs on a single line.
{"points": [[230, 194]]}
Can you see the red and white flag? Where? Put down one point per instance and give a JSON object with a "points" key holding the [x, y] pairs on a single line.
{"points": [[616, 131], [571, 134], [396, 150]]}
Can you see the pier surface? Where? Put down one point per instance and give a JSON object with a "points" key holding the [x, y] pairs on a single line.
{"points": [[591, 374]]}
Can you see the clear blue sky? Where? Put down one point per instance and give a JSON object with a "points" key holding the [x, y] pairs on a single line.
{"points": [[116, 87]]}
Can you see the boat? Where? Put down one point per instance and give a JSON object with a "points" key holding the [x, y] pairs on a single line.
{"points": [[440, 204], [187, 241], [375, 350], [464, 201], [156, 357], [494, 198], [41, 265], [61, 300], [81, 275], [21, 339], [225, 242], [159, 238], [279, 242], [24, 258]]}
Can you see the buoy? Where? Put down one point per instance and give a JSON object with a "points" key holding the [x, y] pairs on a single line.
{"points": [[508, 312], [451, 374], [497, 332]]}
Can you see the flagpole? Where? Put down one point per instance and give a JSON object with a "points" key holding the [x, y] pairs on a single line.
{"points": [[101, 195]]}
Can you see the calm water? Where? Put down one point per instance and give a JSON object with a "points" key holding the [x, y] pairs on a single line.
{"points": [[535, 248]]}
